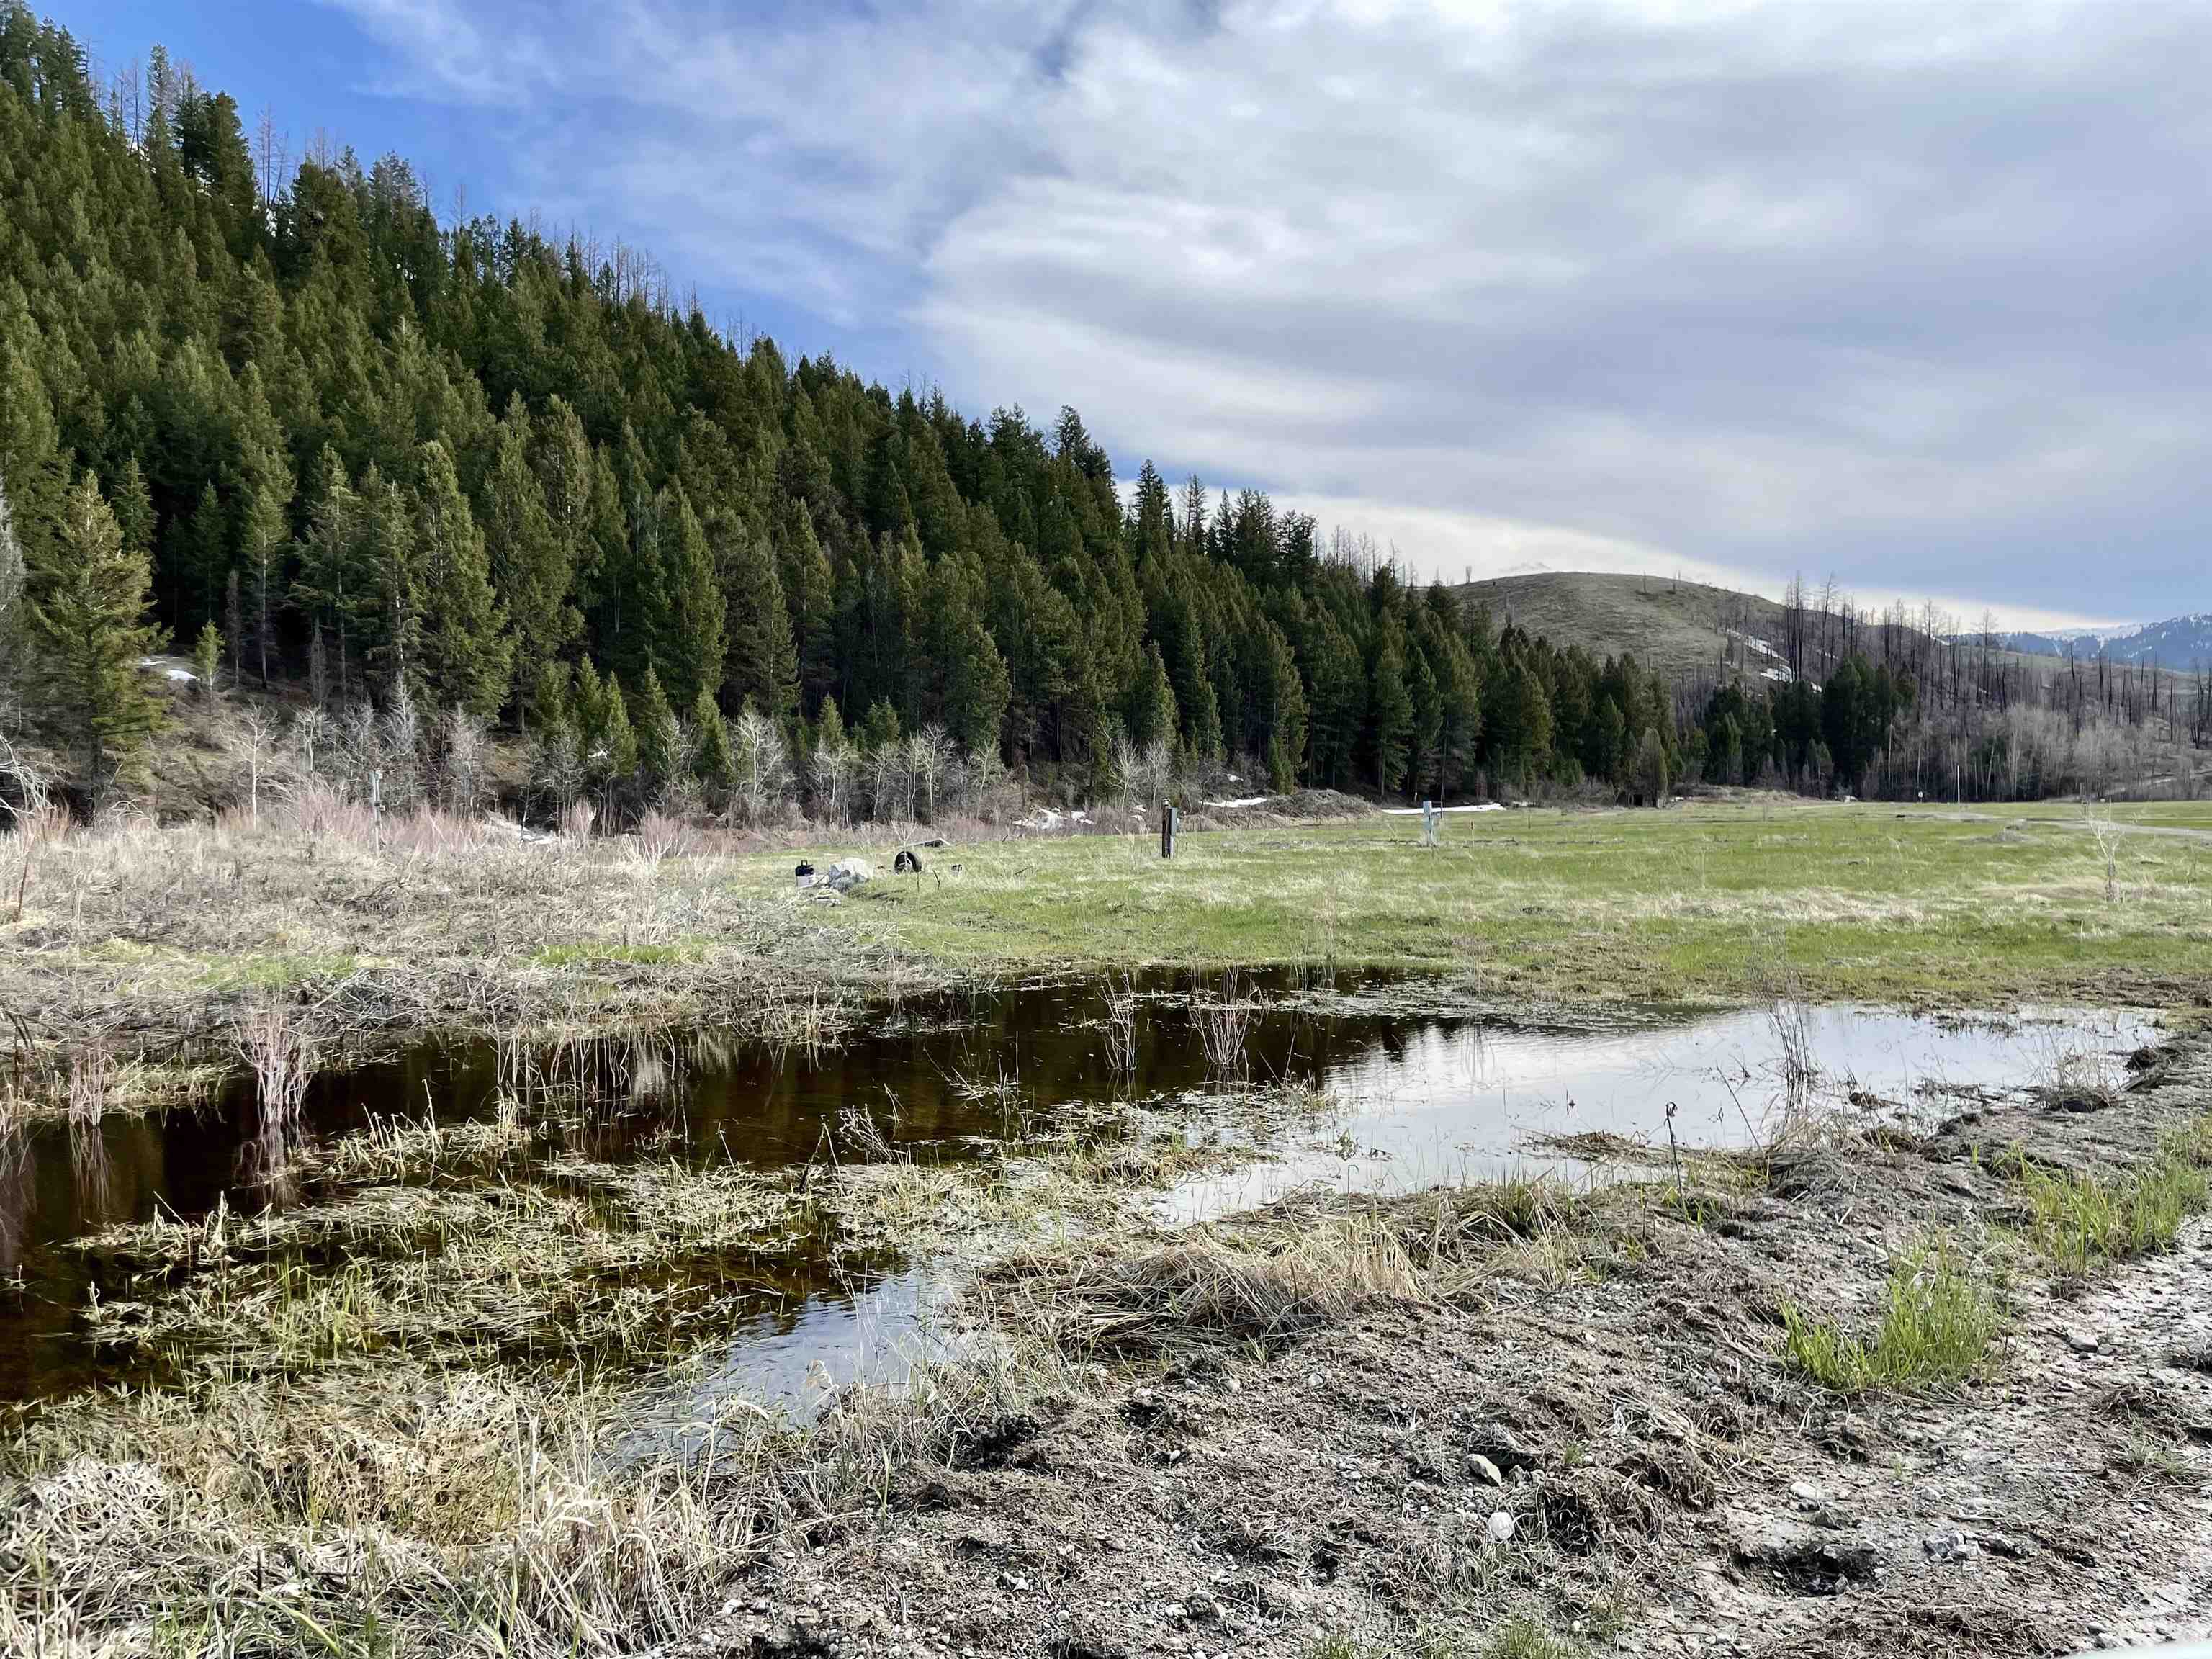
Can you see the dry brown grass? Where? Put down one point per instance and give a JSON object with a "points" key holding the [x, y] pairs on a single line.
{"points": [[157, 939], [441, 1513]]}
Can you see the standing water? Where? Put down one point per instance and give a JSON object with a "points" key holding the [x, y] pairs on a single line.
{"points": [[1400, 1100]]}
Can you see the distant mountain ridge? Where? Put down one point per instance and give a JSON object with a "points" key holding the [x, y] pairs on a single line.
{"points": [[2176, 642]]}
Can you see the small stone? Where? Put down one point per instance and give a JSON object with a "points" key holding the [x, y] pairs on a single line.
{"points": [[1201, 1609], [2081, 1341], [1500, 1527], [1804, 1491], [1483, 1467]]}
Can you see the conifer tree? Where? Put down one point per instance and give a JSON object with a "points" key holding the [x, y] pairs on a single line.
{"points": [[330, 587], [264, 538], [809, 596], [712, 761], [466, 651], [88, 599], [531, 563], [207, 661], [1152, 717], [1390, 708], [761, 665], [692, 629], [660, 758]]}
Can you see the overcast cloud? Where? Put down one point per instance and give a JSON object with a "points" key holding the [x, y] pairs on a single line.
{"points": [[1916, 296]]}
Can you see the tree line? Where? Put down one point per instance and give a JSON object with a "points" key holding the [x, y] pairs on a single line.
{"points": [[284, 418]]}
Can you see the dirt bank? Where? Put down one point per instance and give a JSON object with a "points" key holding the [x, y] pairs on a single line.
{"points": [[1612, 1378]]}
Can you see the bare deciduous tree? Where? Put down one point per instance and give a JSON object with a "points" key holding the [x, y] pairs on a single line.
{"points": [[763, 770]]}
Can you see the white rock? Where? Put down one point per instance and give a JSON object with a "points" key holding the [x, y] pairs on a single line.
{"points": [[1804, 1491], [1501, 1527]]}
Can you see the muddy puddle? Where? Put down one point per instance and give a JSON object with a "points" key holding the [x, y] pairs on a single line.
{"points": [[461, 1149]]}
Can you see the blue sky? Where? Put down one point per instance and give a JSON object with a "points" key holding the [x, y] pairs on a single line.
{"points": [[1911, 295]]}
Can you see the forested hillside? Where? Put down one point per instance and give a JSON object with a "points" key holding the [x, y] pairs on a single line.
{"points": [[508, 480], [435, 481]]}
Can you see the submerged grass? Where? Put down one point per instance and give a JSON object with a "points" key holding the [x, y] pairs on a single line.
{"points": [[634, 1262], [1939, 1329]]}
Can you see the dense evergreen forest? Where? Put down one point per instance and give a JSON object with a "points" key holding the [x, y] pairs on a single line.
{"points": [[471, 467], [436, 480]]}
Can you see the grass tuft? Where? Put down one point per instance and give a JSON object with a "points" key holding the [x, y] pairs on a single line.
{"points": [[2080, 1218], [1938, 1328]]}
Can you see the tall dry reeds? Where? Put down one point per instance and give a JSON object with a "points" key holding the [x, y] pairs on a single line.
{"points": [[1224, 1023]]}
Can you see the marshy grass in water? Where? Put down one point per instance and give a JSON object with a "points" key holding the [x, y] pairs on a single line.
{"points": [[599, 1263]]}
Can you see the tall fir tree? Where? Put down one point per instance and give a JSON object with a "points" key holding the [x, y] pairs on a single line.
{"points": [[88, 599], [531, 562], [761, 664], [467, 655]]}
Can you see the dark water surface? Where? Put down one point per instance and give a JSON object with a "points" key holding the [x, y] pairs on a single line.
{"points": [[1421, 1096]]}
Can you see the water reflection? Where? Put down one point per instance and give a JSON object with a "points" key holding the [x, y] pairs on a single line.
{"points": [[1420, 1097]]}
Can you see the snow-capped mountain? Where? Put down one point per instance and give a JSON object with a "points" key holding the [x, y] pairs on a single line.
{"points": [[2176, 642]]}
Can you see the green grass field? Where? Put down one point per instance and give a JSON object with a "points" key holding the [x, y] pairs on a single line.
{"points": [[1719, 902]]}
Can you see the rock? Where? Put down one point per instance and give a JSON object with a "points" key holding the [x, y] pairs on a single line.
{"points": [[847, 874], [2080, 1341], [1804, 1491], [1505, 1449], [1483, 1467], [1500, 1527], [1201, 1609], [1946, 1547]]}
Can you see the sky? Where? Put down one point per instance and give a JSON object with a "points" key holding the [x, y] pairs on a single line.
{"points": [[1913, 296]]}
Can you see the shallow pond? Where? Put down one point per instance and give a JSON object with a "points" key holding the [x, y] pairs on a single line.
{"points": [[1414, 1096]]}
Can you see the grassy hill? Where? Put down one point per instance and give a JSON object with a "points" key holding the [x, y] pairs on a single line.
{"points": [[1677, 627]]}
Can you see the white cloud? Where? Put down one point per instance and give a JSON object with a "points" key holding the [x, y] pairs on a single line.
{"points": [[1909, 292]]}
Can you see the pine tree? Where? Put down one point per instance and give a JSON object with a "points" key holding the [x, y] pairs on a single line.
{"points": [[689, 650], [207, 661], [712, 762], [88, 599], [761, 665], [809, 596], [264, 541], [1151, 714], [660, 758], [977, 690], [1652, 779], [1389, 708], [466, 651], [531, 563]]}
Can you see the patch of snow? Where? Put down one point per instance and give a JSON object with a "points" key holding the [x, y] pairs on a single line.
{"points": [[1241, 800]]}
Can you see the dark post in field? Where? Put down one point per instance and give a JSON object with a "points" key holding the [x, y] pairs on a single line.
{"points": [[1167, 828]]}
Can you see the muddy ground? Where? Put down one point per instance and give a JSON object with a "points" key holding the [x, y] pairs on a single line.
{"points": [[1673, 1485]]}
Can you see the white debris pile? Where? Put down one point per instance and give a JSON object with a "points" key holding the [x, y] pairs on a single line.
{"points": [[832, 884]]}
